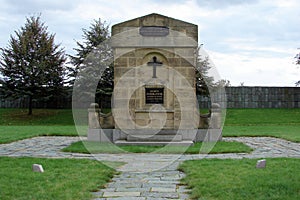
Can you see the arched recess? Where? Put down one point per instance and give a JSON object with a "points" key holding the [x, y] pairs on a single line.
{"points": [[159, 56]]}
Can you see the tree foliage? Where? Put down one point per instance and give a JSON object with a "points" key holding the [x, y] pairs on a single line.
{"points": [[204, 82], [93, 61], [97, 33], [32, 65], [297, 57]]}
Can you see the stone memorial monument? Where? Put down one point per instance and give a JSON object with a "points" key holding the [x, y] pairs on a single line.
{"points": [[154, 98]]}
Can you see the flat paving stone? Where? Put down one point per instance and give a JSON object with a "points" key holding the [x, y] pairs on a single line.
{"points": [[140, 189], [168, 195], [121, 194], [163, 189], [127, 198]]}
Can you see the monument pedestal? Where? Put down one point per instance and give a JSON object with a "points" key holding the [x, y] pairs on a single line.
{"points": [[164, 137]]}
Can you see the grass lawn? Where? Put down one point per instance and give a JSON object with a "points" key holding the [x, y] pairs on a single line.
{"points": [[46, 117], [239, 179], [62, 179], [12, 133], [262, 116], [15, 124], [96, 147], [288, 132], [281, 123]]}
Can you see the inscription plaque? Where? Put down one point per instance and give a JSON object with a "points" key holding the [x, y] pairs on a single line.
{"points": [[154, 95], [154, 31]]}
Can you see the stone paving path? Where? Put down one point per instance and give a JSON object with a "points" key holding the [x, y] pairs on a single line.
{"points": [[161, 184], [146, 176]]}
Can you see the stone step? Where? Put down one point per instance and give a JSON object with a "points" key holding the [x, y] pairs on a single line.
{"points": [[157, 137], [154, 143], [151, 131]]}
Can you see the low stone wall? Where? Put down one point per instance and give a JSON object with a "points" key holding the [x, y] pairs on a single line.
{"points": [[23, 102], [256, 97], [237, 97]]}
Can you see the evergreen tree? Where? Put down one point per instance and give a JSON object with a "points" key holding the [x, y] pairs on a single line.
{"points": [[92, 50], [32, 65], [203, 80], [97, 33], [297, 57], [206, 85]]}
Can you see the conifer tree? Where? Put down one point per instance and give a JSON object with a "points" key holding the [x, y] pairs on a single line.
{"points": [[92, 46], [32, 65], [297, 57]]}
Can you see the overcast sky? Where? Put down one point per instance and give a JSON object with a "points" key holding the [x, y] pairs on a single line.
{"points": [[251, 42]]}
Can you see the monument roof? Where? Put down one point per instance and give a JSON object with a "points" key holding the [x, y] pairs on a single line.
{"points": [[155, 19], [158, 18]]}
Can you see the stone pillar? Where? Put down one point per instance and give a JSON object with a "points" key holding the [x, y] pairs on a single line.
{"points": [[215, 120], [94, 111]]}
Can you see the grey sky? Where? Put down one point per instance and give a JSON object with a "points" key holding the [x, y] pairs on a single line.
{"points": [[249, 41]]}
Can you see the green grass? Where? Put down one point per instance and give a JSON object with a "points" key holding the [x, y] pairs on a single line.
{"points": [[96, 147], [62, 179], [239, 179], [39, 117], [15, 124], [13, 133], [242, 117], [281, 123], [287, 132]]}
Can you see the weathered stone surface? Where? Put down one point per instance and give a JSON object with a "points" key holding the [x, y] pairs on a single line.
{"points": [[94, 116], [257, 97], [162, 189], [164, 77], [37, 168], [261, 163], [121, 194]]}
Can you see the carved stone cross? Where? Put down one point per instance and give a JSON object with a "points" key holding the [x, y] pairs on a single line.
{"points": [[154, 64]]}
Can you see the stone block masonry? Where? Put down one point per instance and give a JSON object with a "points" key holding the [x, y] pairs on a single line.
{"points": [[257, 97]]}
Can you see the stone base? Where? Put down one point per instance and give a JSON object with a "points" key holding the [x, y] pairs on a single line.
{"points": [[208, 135], [154, 138], [113, 135], [154, 143], [100, 135]]}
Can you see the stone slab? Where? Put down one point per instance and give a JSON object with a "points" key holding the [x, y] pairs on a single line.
{"points": [[174, 138], [100, 135], [150, 143], [37, 168], [162, 189], [93, 135], [109, 135], [209, 135], [121, 194], [261, 163], [150, 131]]}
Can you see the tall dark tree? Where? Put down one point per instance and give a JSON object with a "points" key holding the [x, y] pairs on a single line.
{"points": [[297, 57], [206, 85], [203, 80], [93, 50], [32, 65]]}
